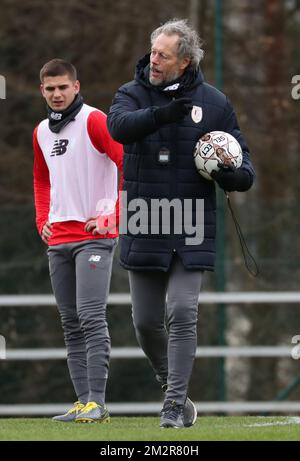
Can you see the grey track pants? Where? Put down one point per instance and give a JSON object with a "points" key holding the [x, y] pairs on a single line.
{"points": [[80, 274], [167, 330]]}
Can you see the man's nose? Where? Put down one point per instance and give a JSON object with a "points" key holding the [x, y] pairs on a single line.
{"points": [[56, 93], [154, 58]]}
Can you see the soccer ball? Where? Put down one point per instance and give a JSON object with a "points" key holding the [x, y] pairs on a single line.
{"points": [[216, 147]]}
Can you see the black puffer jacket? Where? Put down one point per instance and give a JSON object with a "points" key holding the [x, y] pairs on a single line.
{"points": [[131, 122]]}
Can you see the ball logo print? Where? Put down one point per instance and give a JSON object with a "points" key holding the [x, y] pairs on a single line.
{"points": [[214, 148]]}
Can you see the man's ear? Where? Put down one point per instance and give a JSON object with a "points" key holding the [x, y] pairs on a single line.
{"points": [[77, 86], [185, 63], [42, 89]]}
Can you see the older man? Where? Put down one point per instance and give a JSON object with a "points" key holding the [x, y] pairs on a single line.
{"points": [[159, 117]]}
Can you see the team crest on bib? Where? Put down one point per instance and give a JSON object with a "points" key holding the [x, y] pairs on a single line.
{"points": [[196, 114]]}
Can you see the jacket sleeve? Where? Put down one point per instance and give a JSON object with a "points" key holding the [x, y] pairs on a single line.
{"points": [[126, 122], [229, 124], [41, 185]]}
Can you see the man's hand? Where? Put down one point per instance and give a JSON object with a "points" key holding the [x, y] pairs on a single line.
{"points": [[174, 111], [46, 232], [102, 225], [232, 179]]}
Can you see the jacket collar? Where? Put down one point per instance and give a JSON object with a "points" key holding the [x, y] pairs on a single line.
{"points": [[190, 79]]}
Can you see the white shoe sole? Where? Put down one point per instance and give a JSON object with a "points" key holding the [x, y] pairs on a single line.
{"points": [[195, 414]]}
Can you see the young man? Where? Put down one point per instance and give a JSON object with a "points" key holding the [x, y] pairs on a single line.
{"points": [[75, 187], [159, 117]]}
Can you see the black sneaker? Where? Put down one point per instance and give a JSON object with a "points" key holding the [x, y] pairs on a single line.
{"points": [[171, 415], [189, 410]]}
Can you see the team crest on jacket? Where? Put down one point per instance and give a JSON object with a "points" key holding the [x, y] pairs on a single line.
{"points": [[196, 114]]}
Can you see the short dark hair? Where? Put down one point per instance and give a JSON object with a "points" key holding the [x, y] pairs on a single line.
{"points": [[58, 67]]}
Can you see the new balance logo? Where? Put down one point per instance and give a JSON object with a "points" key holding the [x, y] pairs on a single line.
{"points": [[95, 258], [55, 116], [60, 147]]}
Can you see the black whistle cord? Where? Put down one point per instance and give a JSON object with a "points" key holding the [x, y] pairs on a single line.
{"points": [[248, 258]]}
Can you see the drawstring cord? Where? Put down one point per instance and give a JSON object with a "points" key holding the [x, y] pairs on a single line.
{"points": [[248, 258]]}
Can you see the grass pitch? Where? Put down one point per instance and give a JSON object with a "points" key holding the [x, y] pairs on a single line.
{"points": [[207, 428]]}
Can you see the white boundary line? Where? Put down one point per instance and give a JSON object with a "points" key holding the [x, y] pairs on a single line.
{"points": [[291, 420]]}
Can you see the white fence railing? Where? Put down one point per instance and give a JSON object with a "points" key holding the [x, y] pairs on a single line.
{"points": [[153, 408], [246, 297], [134, 352]]}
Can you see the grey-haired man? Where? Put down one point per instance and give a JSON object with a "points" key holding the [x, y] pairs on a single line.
{"points": [[159, 117]]}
